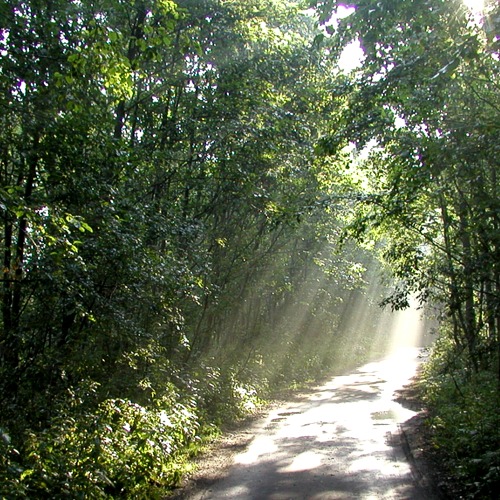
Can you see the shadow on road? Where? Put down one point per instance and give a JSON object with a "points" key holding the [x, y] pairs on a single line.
{"points": [[340, 441]]}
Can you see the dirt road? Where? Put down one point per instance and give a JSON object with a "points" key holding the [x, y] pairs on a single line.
{"points": [[339, 442]]}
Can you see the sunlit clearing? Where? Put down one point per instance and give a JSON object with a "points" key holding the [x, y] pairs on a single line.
{"points": [[392, 331], [407, 332], [405, 328]]}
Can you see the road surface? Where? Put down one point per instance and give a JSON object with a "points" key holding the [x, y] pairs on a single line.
{"points": [[339, 442]]}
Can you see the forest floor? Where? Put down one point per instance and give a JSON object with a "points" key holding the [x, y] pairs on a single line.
{"points": [[415, 437]]}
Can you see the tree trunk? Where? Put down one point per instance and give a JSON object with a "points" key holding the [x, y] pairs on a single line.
{"points": [[8, 357], [470, 323]]}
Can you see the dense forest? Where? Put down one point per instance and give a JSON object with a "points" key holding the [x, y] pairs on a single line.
{"points": [[204, 201]]}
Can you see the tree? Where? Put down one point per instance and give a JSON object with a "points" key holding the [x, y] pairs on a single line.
{"points": [[433, 166], [424, 105], [164, 215]]}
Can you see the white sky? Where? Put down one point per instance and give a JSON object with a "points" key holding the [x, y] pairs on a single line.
{"points": [[351, 57]]}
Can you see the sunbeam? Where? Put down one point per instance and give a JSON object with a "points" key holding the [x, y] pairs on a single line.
{"points": [[405, 328]]}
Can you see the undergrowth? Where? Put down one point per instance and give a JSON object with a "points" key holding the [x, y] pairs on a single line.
{"points": [[133, 436], [99, 448], [465, 422]]}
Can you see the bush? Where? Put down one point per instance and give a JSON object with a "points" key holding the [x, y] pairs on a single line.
{"points": [[117, 447], [223, 397], [465, 423], [120, 449]]}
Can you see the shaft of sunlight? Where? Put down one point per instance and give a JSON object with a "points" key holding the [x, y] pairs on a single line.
{"points": [[406, 328]]}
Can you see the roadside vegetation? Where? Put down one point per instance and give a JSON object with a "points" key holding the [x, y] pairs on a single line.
{"points": [[462, 423], [200, 206]]}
